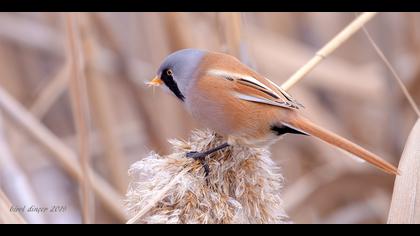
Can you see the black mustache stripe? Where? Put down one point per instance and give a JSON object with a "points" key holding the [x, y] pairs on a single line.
{"points": [[171, 84]]}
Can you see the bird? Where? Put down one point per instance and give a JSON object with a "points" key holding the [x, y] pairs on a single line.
{"points": [[246, 108]]}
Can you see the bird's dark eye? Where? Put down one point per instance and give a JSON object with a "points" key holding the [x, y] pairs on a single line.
{"points": [[168, 80]]}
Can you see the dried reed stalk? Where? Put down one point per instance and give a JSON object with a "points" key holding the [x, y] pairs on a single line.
{"points": [[180, 35], [14, 180], [129, 84], [6, 216], [393, 72], [243, 185], [157, 197], [405, 204], [30, 33], [50, 93], [60, 152], [95, 19], [232, 32], [103, 112], [80, 108], [336, 75], [330, 47], [298, 192]]}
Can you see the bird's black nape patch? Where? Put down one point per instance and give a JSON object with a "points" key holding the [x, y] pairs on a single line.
{"points": [[282, 129], [171, 84]]}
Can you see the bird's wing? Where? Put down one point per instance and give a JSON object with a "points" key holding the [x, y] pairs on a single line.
{"points": [[284, 93], [260, 90]]}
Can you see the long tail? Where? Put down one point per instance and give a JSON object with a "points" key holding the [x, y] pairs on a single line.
{"points": [[303, 124]]}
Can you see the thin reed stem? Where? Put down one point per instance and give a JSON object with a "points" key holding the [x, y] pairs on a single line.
{"points": [[50, 93], [155, 141], [103, 115], [158, 197], [6, 215], [60, 152], [330, 47], [393, 72], [80, 107], [232, 32]]}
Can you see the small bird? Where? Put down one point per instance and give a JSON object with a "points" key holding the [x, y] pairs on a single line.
{"points": [[243, 106]]}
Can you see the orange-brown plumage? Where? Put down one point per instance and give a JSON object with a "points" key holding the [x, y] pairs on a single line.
{"points": [[245, 107]]}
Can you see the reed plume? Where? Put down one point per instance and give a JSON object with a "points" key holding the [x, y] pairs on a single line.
{"points": [[243, 185]]}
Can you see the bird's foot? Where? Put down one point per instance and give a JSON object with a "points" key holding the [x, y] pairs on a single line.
{"points": [[200, 156], [196, 155]]}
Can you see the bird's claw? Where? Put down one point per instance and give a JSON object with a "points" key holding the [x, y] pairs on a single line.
{"points": [[200, 157], [196, 155]]}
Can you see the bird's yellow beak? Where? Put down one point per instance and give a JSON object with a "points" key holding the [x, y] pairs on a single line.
{"points": [[155, 82]]}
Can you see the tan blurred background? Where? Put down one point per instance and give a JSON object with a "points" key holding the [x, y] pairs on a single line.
{"points": [[351, 93]]}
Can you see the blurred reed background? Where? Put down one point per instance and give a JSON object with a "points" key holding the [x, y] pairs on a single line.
{"points": [[72, 86]]}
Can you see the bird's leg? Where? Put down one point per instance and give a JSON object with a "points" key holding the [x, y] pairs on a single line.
{"points": [[202, 155]]}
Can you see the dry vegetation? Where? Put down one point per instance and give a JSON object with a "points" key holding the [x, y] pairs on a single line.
{"points": [[243, 186], [75, 113]]}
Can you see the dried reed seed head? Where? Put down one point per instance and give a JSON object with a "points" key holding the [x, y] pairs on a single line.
{"points": [[243, 185]]}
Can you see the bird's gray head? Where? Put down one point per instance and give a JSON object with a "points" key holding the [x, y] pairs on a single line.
{"points": [[178, 71]]}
